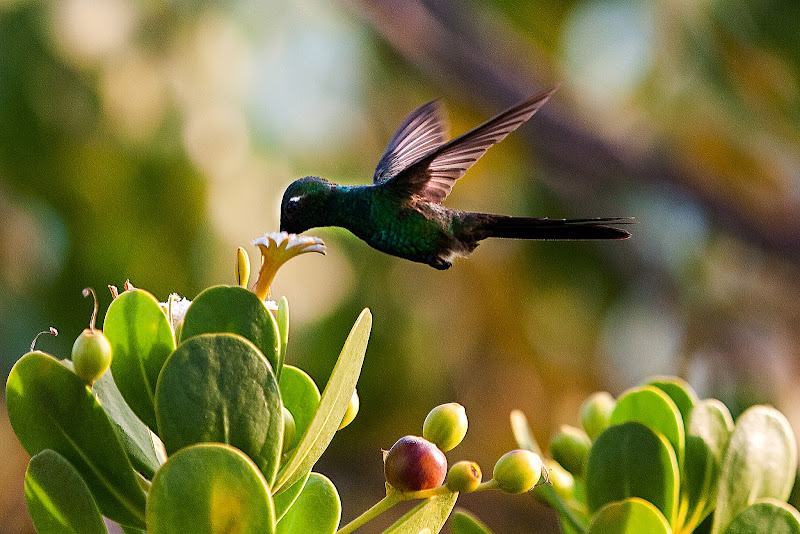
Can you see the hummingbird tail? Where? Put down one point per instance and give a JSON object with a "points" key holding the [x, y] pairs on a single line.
{"points": [[555, 229]]}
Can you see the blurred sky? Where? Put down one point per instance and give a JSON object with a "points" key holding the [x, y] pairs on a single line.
{"points": [[147, 140]]}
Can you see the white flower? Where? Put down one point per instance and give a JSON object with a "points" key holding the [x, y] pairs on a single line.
{"points": [[276, 249], [175, 308]]}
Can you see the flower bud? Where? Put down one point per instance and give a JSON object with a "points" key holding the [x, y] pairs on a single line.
{"points": [[464, 477], [91, 355], [289, 430], [517, 471], [242, 270], [596, 413], [570, 448], [414, 464], [561, 480], [352, 411], [445, 425]]}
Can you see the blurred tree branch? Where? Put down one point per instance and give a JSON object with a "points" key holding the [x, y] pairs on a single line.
{"points": [[438, 38]]}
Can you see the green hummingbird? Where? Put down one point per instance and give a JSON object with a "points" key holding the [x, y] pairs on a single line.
{"points": [[401, 213]]}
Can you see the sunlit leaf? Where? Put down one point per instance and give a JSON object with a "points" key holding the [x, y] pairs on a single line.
{"points": [[430, 514], [631, 516], [284, 500], [317, 509], [141, 340], [462, 522], [631, 460], [332, 406], [51, 408], [209, 488], [300, 396], [760, 462], [282, 320], [769, 516], [652, 407], [234, 310], [220, 388], [59, 501], [679, 390]]}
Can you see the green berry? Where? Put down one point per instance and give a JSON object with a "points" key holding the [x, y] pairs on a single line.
{"points": [[414, 464], [517, 471], [570, 447], [91, 355], [464, 477], [596, 413], [446, 425], [352, 411], [289, 430]]}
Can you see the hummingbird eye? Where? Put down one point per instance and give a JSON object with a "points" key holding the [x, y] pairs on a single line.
{"points": [[291, 205]]}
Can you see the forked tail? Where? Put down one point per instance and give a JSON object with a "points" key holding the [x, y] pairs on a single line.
{"points": [[555, 229]]}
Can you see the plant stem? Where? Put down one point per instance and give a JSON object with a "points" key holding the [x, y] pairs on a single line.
{"points": [[563, 509], [392, 498]]}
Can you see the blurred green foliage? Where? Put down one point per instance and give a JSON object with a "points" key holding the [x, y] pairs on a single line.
{"points": [[147, 140]]}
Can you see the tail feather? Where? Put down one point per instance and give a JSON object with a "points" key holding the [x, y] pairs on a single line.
{"points": [[556, 229]]}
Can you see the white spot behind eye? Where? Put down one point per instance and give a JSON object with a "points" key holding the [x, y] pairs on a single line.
{"points": [[294, 199]]}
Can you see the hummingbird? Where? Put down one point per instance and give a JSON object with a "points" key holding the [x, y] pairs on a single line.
{"points": [[401, 212]]}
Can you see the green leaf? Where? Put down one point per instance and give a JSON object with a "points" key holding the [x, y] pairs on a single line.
{"points": [[463, 522], [209, 488], [631, 460], [681, 393], [141, 340], [234, 310], [631, 516], [136, 438], [769, 516], [220, 388], [760, 462], [652, 407], [709, 428], [51, 408], [522, 433], [430, 514], [300, 396], [332, 406], [59, 501], [284, 500], [316, 511], [283, 332]]}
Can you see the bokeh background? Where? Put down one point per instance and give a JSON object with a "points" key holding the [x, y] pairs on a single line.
{"points": [[146, 140]]}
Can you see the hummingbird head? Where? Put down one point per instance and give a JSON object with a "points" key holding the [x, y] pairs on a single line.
{"points": [[303, 203]]}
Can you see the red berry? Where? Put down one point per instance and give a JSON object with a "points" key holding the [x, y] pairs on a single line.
{"points": [[415, 464]]}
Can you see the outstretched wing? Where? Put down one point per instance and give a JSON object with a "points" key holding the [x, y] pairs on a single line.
{"points": [[432, 177], [424, 130]]}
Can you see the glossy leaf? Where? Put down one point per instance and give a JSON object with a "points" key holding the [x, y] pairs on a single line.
{"points": [[209, 488], [233, 310], [631, 460], [631, 516], [50, 408], [282, 320], [462, 522], [332, 406], [59, 501], [652, 407], [681, 393], [522, 432], [760, 462], [769, 516], [141, 340], [317, 509], [300, 396], [709, 429], [430, 514], [284, 500], [136, 438], [220, 388]]}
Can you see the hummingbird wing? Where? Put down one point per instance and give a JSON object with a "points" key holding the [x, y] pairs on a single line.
{"points": [[422, 131], [432, 176]]}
